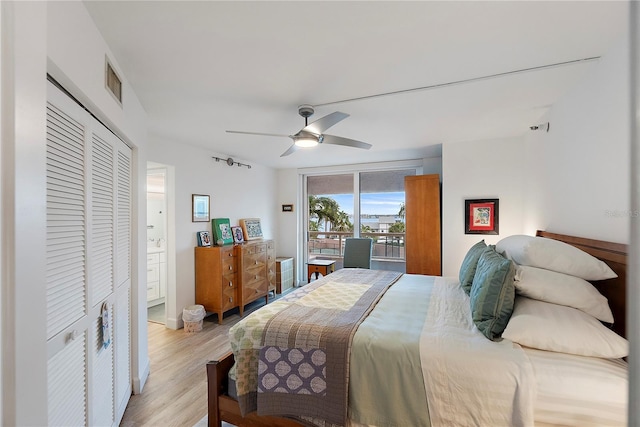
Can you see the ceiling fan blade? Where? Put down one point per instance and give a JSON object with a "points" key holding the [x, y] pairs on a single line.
{"points": [[258, 133], [291, 149], [324, 123], [338, 140]]}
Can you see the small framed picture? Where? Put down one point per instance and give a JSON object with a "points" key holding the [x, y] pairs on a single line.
{"points": [[287, 208], [481, 216], [221, 231], [238, 235], [204, 238], [251, 228], [199, 208]]}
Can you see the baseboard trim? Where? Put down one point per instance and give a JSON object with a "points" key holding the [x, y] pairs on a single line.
{"points": [[139, 382]]}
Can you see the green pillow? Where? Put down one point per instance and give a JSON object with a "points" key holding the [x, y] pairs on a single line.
{"points": [[468, 267], [492, 293]]}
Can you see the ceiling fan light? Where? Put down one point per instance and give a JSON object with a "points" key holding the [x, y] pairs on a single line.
{"points": [[306, 141]]}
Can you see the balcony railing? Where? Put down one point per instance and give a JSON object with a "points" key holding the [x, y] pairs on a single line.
{"points": [[386, 246]]}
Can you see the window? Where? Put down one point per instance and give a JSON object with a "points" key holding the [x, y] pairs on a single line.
{"points": [[368, 203]]}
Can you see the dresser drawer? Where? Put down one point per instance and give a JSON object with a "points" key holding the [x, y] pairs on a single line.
{"points": [[254, 289], [230, 281], [227, 252], [228, 265], [253, 249], [153, 258], [229, 299]]}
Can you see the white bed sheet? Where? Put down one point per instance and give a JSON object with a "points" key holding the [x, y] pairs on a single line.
{"points": [[579, 391]]}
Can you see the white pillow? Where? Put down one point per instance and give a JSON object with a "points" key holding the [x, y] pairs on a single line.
{"points": [[558, 288], [554, 255], [552, 327]]}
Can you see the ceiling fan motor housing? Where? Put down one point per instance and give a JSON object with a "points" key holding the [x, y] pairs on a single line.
{"points": [[306, 110]]}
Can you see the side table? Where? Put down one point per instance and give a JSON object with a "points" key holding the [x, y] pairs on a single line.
{"points": [[320, 266]]}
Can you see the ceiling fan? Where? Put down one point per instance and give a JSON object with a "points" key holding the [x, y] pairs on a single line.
{"points": [[312, 134]]}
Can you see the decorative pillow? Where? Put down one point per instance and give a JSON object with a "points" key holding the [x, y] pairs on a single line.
{"points": [[468, 267], [554, 255], [492, 293], [562, 289], [562, 329]]}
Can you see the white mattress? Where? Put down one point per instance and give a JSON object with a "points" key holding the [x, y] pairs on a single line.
{"points": [[579, 391]]}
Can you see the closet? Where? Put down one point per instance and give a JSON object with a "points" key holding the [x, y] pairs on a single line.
{"points": [[422, 224], [88, 280]]}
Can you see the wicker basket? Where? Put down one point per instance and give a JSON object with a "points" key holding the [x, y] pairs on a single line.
{"points": [[193, 326], [192, 317]]}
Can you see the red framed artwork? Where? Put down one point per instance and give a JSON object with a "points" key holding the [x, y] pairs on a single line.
{"points": [[481, 216]]}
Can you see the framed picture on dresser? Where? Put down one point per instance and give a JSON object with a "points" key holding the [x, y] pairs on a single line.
{"points": [[204, 238], [221, 231], [251, 228], [238, 234]]}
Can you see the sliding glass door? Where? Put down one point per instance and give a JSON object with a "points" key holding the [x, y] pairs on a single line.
{"points": [[357, 204]]}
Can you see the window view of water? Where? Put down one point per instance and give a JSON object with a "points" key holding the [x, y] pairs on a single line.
{"points": [[381, 218]]}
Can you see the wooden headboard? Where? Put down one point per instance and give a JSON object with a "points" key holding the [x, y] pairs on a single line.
{"points": [[615, 290]]}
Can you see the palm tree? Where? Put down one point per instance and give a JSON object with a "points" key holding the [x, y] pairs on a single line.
{"points": [[401, 212], [325, 209], [342, 222]]}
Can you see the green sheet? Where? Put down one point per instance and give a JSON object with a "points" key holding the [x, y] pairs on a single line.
{"points": [[385, 372]]}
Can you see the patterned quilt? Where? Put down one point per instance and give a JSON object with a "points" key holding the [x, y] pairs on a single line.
{"points": [[292, 356]]}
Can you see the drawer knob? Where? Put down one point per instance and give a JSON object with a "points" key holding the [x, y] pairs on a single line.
{"points": [[230, 284], [230, 299], [256, 264], [230, 268], [257, 291]]}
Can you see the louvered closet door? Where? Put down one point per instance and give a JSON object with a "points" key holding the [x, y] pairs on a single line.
{"points": [[88, 224]]}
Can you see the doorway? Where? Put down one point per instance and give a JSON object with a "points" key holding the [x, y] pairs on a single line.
{"points": [[157, 243]]}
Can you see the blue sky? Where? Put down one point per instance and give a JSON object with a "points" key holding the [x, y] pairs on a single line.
{"points": [[371, 203]]}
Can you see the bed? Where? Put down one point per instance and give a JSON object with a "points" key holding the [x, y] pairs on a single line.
{"points": [[411, 350]]}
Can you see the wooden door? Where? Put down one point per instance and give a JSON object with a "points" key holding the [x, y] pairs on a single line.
{"points": [[422, 225]]}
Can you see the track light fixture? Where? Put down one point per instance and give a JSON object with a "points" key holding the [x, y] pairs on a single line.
{"points": [[231, 162]]}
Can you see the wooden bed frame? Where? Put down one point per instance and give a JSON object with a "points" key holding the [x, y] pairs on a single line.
{"points": [[223, 407]]}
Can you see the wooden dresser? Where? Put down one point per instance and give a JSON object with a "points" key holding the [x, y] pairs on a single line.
{"points": [[234, 275]]}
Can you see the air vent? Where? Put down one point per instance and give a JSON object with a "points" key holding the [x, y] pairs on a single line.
{"points": [[113, 82]]}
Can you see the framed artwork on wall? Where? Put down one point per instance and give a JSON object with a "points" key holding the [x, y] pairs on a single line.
{"points": [[199, 208], [481, 216], [238, 234], [251, 228], [221, 231]]}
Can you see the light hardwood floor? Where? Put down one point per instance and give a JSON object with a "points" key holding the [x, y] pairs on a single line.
{"points": [[176, 392]]}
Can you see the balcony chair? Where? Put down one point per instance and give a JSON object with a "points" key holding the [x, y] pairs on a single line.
{"points": [[357, 252]]}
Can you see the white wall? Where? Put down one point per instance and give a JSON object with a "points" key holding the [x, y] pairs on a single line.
{"points": [[579, 171], [573, 179], [489, 169], [23, 124], [236, 192], [288, 222]]}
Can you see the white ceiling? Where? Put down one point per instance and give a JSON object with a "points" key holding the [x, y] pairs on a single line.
{"points": [[200, 68]]}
